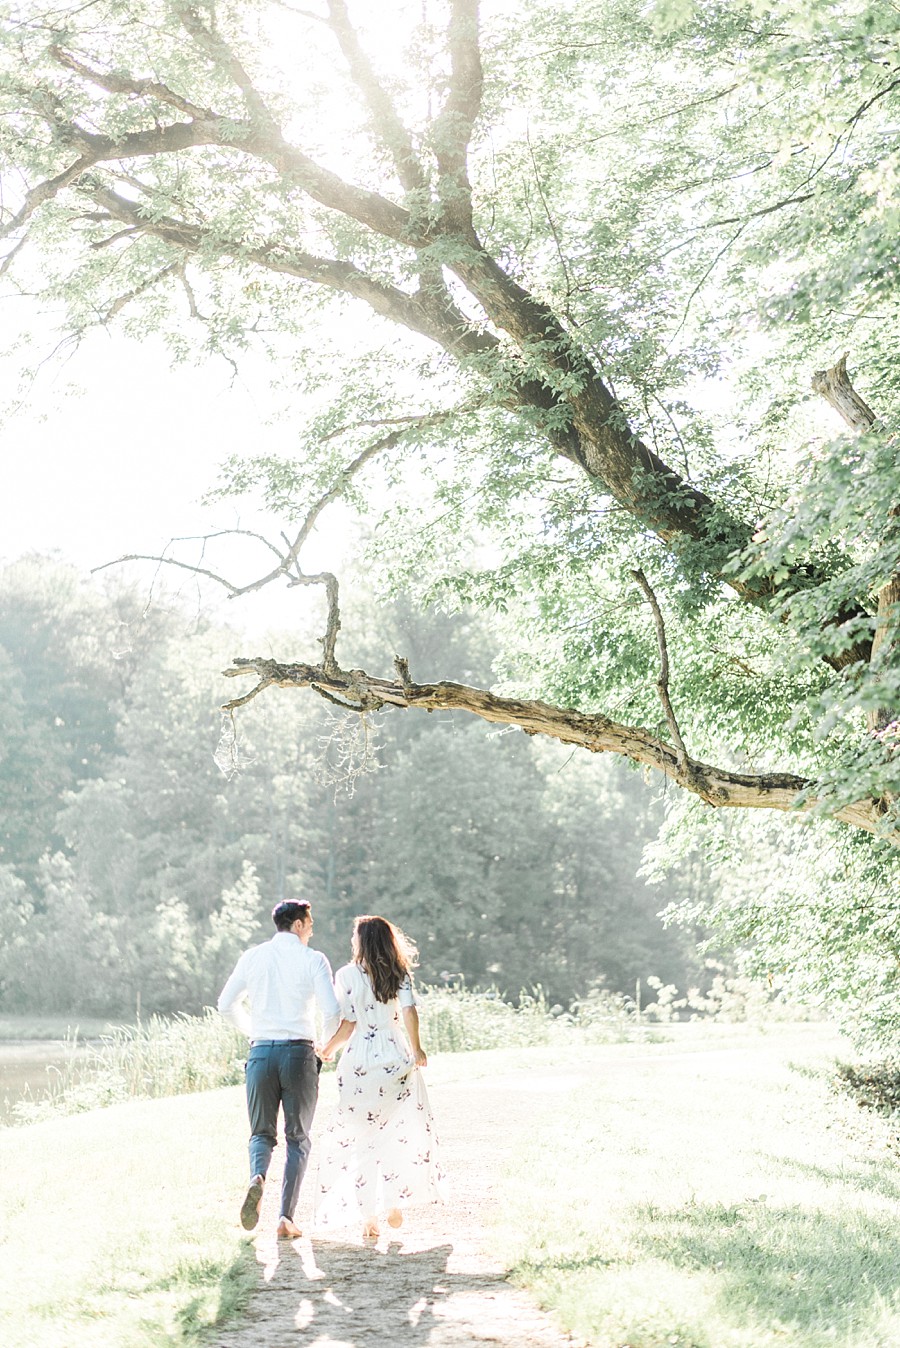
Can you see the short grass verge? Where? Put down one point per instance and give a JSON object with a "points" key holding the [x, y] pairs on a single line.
{"points": [[120, 1226], [723, 1200]]}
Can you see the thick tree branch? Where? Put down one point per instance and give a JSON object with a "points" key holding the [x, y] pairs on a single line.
{"points": [[358, 691], [835, 387], [46, 191], [453, 126], [260, 137], [410, 311], [114, 82], [385, 119]]}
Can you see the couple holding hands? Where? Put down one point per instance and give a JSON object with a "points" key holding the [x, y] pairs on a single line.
{"points": [[379, 1152]]}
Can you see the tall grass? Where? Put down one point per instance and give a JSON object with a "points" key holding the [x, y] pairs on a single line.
{"points": [[179, 1055], [158, 1057]]}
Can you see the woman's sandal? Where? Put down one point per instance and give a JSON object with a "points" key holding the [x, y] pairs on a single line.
{"points": [[370, 1231]]}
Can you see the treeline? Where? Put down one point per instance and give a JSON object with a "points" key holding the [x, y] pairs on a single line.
{"points": [[135, 865]]}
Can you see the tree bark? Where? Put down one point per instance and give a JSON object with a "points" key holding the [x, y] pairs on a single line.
{"points": [[357, 691], [835, 387]]}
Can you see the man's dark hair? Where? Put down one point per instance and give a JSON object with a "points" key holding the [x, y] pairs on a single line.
{"points": [[285, 914]]}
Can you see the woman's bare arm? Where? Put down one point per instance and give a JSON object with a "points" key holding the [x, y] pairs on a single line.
{"points": [[411, 1021]]}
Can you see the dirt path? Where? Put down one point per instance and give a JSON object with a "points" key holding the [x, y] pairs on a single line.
{"points": [[432, 1283]]}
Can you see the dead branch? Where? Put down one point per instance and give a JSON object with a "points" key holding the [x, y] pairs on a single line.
{"points": [[288, 567], [835, 387], [354, 690]]}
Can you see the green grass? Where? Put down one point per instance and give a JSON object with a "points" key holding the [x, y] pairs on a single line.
{"points": [[672, 1197], [728, 1199], [159, 1057], [119, 1227]]}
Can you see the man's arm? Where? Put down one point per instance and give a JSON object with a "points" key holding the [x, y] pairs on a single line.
{"points": [[337, 1040], [325, 996], [231, 1002]]}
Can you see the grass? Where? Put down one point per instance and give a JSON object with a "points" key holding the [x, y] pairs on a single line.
{"points": [[119, 1229], [150, 1060], [663, 1197], [727, 1199]]}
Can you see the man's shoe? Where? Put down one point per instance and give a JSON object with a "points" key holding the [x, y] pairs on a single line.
{"points": [[287, 1230], [250, 1209]]}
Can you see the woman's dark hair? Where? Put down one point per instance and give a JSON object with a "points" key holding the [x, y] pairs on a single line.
{"points": [[384, 952]]}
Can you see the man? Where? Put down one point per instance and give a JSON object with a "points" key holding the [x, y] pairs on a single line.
{"points": [[283, 980]]}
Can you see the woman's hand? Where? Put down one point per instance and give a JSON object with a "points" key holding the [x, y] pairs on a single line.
{"points": [[421, 1057]]}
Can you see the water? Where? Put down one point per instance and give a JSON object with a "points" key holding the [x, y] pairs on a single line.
{"points": [[29, 1066]]}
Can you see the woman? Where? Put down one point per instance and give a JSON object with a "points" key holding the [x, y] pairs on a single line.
{"points": [[379, 1154]]}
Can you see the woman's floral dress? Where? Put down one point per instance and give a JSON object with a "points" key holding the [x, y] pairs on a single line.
{"points": [[380, 1150]]}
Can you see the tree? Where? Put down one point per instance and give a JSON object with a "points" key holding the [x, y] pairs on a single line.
{"points": [[553, 300]]}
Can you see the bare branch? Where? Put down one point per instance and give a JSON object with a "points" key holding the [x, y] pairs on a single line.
{"points": [[248, 697], [357, 691], [662, 683], [232, 589], [288, 567]]}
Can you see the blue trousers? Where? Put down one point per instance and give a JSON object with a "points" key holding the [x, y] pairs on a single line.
{"points": [[285, 1075]]}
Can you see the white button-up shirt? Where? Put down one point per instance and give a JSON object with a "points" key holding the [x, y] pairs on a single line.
{"points": [[284, 981]]}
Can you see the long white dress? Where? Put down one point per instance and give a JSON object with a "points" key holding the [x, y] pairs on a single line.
{"points": [[380, 1150]]}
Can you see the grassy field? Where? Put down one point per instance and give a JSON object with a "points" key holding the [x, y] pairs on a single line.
{"points": [[696, 1193], [724, 1199], [119, 1228]]}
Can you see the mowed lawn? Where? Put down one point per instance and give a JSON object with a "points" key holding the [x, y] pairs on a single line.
{"points": [[726, 1198], [699, 1193], [120, 1226]]}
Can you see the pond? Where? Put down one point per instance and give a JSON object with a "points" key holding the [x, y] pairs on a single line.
{"points": [[28, 1066]]}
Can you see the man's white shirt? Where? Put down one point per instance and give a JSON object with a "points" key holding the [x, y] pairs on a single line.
{"points": [[283, 980]]}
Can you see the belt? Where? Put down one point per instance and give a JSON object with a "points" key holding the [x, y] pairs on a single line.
{"points": [[278, 1043]]}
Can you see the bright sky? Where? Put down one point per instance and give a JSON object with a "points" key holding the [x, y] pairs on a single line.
{"points": [[115, 448]]}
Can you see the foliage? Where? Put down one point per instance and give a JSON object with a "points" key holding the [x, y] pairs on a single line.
{"points": [[166, 868], [584, 270], [814, 912]]}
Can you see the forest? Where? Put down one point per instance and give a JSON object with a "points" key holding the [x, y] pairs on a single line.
{"points": [[136, 866], [590, 310]]}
